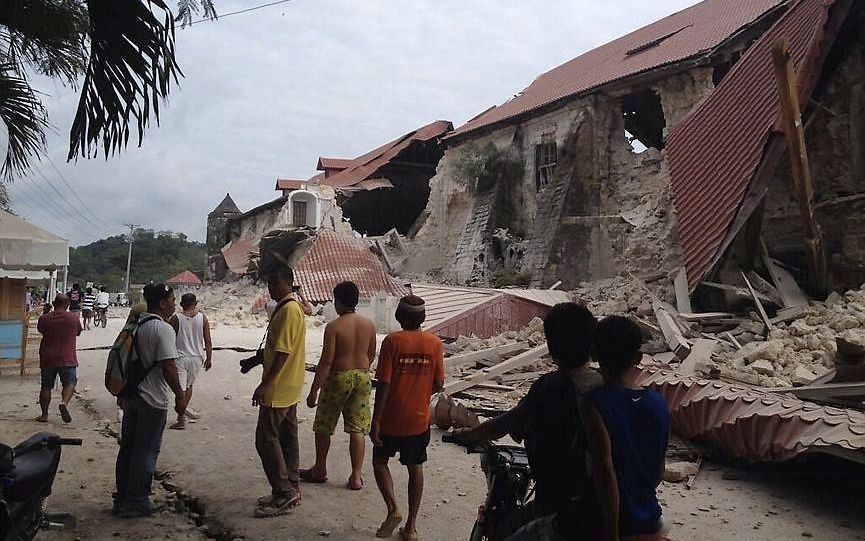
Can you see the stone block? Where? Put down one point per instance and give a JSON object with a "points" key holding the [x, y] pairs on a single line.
{"points": [[764, 367]]}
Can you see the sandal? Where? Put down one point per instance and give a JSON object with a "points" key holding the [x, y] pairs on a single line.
{"points": [[388, 526], [279, 505], [308, 476], [64, 414]]}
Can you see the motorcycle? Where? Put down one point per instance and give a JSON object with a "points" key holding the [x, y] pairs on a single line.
{"points": [[510, 488], [27, 474]]}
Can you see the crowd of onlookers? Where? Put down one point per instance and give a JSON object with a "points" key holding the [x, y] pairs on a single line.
{"points": [[595, 440]]}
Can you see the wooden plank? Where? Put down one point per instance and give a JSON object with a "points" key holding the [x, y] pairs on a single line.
{"points": [[758, 304], [738, 291], [522, 376], [647, 328], [676, 341], [484, 354], [788, 314], [826, 391], [523, 359], [763, 286], [495, 387], [732, 339], [683, 294], [786, 285], [706, 316]]}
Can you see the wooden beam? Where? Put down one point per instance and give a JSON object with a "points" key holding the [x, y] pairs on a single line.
{"points": [[683, 294], [760, 309], [825, 391], [484, 354], [676, 341], [486, 374], [801, 169], [790, 292]]}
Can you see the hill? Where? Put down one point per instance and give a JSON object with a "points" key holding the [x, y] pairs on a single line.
{"points": [[156, 256]]}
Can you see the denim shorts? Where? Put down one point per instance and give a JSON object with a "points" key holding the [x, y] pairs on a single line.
{"points": [[68, 376]]}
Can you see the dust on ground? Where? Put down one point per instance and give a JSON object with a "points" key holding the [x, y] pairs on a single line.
{"points": [[214, 465]]}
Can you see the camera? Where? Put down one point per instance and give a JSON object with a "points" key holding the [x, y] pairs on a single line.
{"points": [[249, 363]]}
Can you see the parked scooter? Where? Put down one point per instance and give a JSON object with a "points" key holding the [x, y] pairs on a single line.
{"points": [[510, 489], [26, 475]]}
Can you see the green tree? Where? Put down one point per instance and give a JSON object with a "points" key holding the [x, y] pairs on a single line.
{"points": [[120, 52]]}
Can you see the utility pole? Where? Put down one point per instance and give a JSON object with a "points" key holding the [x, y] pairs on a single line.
{"points": [[129, 239]]}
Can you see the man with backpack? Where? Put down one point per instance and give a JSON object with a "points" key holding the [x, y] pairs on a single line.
{"points": [[150, 378]]}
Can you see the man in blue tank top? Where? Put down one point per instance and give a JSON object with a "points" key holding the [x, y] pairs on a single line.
{"points": [[627, 428]]}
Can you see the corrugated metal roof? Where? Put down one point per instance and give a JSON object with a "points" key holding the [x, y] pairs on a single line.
{"points": [[754, 425], [713, 154], [680, 36], [445, 302], [332, 163], [335, 258], [363, 167], [185, 277], [546, 297]]}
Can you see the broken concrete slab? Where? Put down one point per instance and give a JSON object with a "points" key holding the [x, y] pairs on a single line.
{"points": [[701, 353], [803, 376], [675, 339], [676, 472], [763, 366], [486, 374]]}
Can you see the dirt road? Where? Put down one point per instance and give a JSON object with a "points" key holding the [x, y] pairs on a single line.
{"points": [[214, 463]]}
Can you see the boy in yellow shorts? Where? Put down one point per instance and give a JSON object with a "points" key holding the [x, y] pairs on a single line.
{"points": [[342, 376]]}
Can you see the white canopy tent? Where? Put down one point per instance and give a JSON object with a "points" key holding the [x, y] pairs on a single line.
{"points": [[25, 247]]}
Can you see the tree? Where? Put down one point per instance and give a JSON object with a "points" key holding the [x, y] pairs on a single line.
{"points": [[120, 52]]}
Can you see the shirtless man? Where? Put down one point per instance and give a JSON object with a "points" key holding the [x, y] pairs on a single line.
{"points": [[343, 377]]}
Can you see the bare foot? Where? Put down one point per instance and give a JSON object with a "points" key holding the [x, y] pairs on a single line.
{"points": [[389, 525], [406, 535], [313, 476], [355, 483]]}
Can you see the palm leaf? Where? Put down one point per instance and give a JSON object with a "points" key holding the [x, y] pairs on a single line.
{"points": [[188, 9], [130, 70], [25, 120]]}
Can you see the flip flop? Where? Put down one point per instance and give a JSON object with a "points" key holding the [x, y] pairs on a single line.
{"points": [[307, 476], [388, 526], [64, 414]]}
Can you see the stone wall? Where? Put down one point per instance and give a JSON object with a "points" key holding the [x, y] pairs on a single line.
{"points": [[607, 210]]}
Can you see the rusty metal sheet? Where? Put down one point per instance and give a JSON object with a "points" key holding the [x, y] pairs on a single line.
{"points": [[753, 425], [714, 153], [688, 33]]}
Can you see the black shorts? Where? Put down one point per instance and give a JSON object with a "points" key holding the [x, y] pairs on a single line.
{"points": [[412, 449]]}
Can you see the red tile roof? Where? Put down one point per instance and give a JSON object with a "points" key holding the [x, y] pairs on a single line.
{"points": [[237, 253], [364, 167], [714, 153], [185, 278], [290, 184], [334, 258], [688, 33]]}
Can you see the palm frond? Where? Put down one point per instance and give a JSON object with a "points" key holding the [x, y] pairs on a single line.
{"points": [[46, 35], [4, 198], [188, 9], [131, 68], [25, 120]]}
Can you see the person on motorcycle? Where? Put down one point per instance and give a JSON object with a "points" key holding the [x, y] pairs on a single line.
{"points": [[627, 428], [548, 420]]}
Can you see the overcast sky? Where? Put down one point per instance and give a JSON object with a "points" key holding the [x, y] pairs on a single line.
{"points": [[267, 92]]}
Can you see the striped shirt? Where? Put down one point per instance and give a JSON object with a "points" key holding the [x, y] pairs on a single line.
{"points": [[87, 303]]}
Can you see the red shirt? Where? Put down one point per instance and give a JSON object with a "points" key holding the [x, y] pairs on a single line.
{"points": [[59, 331], [410, 362]]}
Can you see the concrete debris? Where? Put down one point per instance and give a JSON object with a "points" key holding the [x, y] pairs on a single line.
{"points": [[676, 472]]}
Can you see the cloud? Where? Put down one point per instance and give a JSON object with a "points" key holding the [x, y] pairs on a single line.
{"points": [[267, 92]]}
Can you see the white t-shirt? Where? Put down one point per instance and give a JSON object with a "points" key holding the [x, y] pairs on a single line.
{"points": [[102, 299], [156, 343]]}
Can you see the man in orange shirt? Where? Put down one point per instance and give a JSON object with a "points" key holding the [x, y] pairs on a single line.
{"points": [[410, 369]]}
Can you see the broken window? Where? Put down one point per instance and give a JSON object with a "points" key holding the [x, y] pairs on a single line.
{"points": [[644, 118], [298, 213], [545, 161]]}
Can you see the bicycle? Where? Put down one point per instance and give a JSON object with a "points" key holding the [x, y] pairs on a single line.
{"points": [[100, 316]]}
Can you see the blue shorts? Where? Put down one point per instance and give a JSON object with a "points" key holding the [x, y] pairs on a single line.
{"points": [[68, 376]]}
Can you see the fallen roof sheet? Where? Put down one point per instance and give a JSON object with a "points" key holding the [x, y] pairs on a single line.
{"points": [[365, 166], [680, 36], [715, 152], [334, 258], [754, 425], [546, 297], [184, 278], [445, 302], [237, 253]]}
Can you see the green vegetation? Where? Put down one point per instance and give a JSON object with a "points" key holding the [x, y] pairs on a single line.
{"points": [[505, 278], [156, 256], [478, 167]]}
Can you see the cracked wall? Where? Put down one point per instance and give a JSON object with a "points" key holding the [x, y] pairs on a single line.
{"points": [[605, 211]]}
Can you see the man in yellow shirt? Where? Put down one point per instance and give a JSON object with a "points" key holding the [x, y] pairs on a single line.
{"points": [[277, 397]]}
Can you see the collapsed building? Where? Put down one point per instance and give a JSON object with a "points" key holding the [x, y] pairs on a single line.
{"points": [[651, 154]]}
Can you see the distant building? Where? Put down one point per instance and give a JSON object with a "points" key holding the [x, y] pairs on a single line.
{"points": [[217, 236]]}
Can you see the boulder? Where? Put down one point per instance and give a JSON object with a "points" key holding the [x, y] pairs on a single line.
{"points": [[803, 376], [676, 472]]}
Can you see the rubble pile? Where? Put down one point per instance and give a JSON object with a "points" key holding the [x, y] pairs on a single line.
{"points": [[619, 295], [532, 335], [801, 351], [233, 303]]}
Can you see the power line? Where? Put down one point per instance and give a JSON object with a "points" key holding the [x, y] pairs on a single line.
{"points": [[84, 220], [83, 204], [50, 202], [19, 202], [238, 12]]}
